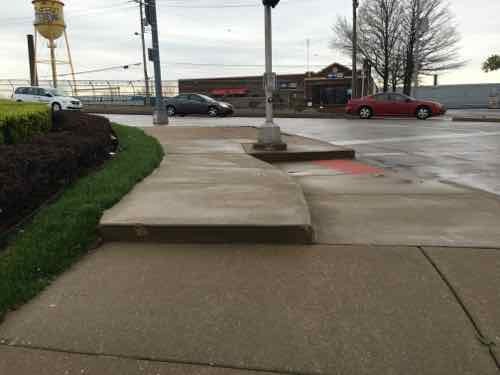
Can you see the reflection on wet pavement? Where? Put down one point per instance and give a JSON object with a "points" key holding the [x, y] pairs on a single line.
{"points": [[464, 153]]}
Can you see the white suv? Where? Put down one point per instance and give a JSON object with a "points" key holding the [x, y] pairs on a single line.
{"points": [[55, 98]]}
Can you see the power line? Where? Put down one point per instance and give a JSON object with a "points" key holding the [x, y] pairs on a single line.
{"points": [[130, 4], [239, 65], [100, 70]]}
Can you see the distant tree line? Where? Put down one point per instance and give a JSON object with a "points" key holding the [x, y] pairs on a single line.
{"points": [[402, 39]]}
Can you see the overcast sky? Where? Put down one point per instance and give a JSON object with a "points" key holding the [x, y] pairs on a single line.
{"points": [[197, 32]]}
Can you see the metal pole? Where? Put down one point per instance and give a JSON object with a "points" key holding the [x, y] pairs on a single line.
{"points": [[363, 82], [35, 59], [308, 57], [269, 64], [32, 64], [269, 133], [355, 4], [68, 50], [160, 116], [53, 62], [144, 59]]}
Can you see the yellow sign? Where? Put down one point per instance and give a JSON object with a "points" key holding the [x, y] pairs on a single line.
{"points": [[49, 18]]}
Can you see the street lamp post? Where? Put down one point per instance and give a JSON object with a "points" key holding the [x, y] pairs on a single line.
{"points": [[269, 133], [144, 59], [160, 116], [355, 4]]}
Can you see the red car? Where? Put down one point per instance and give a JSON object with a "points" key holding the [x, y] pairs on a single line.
{"points": [[393, 104]]}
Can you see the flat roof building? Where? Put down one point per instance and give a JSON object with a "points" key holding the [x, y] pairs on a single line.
{"points": [[330, 87]]}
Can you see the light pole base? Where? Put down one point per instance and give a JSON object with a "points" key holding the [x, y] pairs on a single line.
{"points": [[270, 139], [160, 117]]}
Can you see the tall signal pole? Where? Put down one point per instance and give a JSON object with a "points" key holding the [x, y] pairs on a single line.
{"points": [[144, 59], [355, 4], [269, 133], [160, 116], [308, 48]]}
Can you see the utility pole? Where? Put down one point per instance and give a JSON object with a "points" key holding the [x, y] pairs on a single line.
{"points": [[355, 4], [144, 59], [269, 133], [32, 60], [52, 47], [308, 47], [160, 116]]}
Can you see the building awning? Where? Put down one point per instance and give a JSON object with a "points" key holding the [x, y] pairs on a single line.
{"points": [[229, 91]]}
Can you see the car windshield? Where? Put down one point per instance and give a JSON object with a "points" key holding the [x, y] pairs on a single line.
{"points": [[407, 97], [56, 92], [207, 98]]}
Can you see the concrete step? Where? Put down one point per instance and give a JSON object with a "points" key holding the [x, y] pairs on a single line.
{"points": [[301, 149], [212, 198]]}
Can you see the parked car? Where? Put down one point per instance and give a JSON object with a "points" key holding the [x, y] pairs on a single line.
{"points": [[55, 98], [394, 104], [197, 104]]}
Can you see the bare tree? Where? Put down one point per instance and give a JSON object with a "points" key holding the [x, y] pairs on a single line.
{"points": [[430, 40], [403, 39], [397, 67], [378, 36]]}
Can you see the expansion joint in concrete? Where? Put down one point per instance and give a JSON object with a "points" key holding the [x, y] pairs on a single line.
{"points": [[14, 344], [482, 338]]}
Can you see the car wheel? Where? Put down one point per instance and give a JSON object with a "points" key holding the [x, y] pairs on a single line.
{"points": [[171, 112], [365, 113], [56, 107], [423, 113], [213, 112]]}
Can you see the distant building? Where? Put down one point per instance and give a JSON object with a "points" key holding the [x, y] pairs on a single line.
{"points": [[330, 87], [462, 96]]}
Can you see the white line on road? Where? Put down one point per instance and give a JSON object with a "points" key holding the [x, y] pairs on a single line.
{"points": [[413, 138]]}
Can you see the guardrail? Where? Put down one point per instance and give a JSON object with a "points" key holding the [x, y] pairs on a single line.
{"points": [[118, 89]]}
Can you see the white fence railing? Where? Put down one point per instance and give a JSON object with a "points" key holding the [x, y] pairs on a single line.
{"points": [[93, 88]]}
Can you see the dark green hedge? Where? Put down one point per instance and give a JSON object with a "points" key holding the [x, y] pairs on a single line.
{"points": [[19, 122], [63, 231]]}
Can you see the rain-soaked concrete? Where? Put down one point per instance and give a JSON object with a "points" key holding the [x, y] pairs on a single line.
{"points": [[462, 152], [389, 287]]}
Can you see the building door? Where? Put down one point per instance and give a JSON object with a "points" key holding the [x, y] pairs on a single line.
{"points": [[330, 96]]}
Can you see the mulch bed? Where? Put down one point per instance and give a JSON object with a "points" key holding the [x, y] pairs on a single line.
{"points": [[31, 173]]}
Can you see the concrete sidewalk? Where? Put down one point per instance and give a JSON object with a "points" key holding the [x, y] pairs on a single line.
{"points": [[211, 189], [403, 278]]}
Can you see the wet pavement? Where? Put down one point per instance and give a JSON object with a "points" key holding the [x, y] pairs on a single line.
{"points": [[403, 277], [460, 152]]}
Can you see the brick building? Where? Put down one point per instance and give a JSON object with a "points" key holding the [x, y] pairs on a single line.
{"points": [[330, 87]]}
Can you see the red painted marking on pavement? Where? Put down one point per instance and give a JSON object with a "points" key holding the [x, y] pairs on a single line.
{"points": [[349, 166]]}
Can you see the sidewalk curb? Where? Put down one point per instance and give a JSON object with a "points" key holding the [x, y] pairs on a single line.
{"points": [[209, 234], [298, 156], [475, 119]]}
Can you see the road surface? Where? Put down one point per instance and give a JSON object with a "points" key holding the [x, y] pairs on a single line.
{"points": [[460, 152]]}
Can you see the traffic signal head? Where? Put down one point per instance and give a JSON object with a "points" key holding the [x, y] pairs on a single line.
{"points": [[270, 3]]}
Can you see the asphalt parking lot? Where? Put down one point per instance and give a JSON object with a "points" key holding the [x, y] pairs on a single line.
{"points": [[461, 152]]}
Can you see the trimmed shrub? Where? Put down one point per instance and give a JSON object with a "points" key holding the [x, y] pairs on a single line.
{"points": [[19, 122], [63, 231], [32, 172]]}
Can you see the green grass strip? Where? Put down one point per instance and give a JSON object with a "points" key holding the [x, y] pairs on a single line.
{"points": [[63, 231]]}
